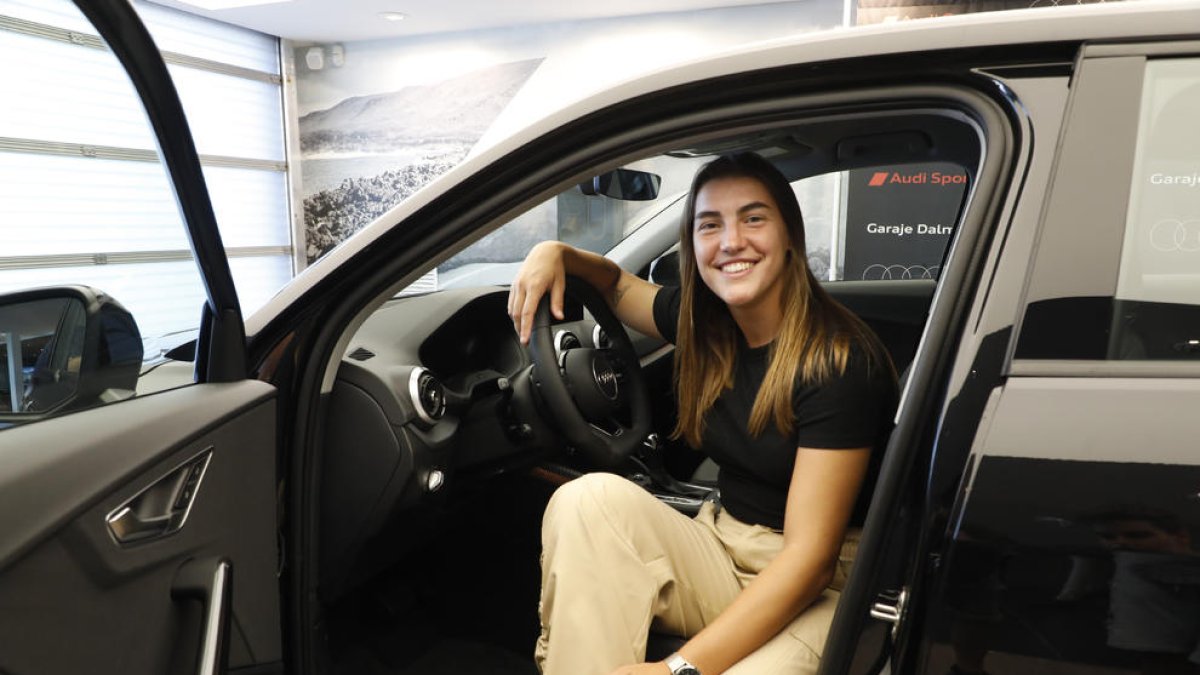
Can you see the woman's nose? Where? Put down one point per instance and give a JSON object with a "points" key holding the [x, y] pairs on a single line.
{"points": [[731, 238]]}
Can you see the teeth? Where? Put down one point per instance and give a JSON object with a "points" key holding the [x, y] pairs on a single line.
{"points": [[737, 267]]}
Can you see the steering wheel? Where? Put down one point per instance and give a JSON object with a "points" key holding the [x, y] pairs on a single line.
{"points": [[585, 388]]}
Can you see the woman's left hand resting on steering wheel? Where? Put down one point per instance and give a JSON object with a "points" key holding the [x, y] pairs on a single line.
{"points": [[545, 271]]}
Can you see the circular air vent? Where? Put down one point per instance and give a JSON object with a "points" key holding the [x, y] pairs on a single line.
{"points": [[428, 395], [564, 340]]}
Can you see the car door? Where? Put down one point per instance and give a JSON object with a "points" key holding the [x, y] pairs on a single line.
{"points": [[140, 536], [1070, 538]]}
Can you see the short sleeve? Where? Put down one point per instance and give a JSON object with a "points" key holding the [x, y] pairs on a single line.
{"points": [[666, 312], [852, 410]]}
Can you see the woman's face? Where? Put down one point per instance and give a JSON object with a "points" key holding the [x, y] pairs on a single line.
{"points": [[740, 241]]}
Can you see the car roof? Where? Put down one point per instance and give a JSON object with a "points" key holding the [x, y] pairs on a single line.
{"points": [[1140, 20]]}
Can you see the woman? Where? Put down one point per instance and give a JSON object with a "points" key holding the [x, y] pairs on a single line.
{"points": [[785, 389]]}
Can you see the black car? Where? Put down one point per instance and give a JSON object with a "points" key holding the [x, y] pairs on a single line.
{"points": [[352, 478]]}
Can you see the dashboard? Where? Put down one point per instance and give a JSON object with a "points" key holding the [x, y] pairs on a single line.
{"points": [[423, 404]]}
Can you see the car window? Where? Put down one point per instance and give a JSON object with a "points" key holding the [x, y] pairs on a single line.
{"points": [[898, 220], [1142, 298], [85, 201], [1158, 286], [594, 222], [873, 223]]}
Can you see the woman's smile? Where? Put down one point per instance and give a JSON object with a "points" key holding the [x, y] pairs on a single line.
{"points": [[736, 268], [740, 243]]}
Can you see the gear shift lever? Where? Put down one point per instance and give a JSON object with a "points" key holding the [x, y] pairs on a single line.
{"points": [[649, 458]]}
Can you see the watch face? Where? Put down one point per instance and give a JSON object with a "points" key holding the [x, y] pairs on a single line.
{"points": [[687, 670]]}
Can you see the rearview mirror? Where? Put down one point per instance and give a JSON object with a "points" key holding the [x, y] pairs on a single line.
{"points": [[628, 185], [64, 348]]}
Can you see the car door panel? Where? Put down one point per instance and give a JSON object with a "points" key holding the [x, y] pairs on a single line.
{"points": [[1035, 575], [73, 599]]}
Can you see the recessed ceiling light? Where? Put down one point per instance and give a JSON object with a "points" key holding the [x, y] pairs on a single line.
{"points": [[393, 16], [229, 4]]}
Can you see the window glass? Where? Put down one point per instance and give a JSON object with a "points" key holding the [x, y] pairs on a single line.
{"points": [[899, 219], [81, 185], [84, 201], [1154, 313], [593, 222], [1160, 259], [62, 89], [231, 116], [875, 223]]}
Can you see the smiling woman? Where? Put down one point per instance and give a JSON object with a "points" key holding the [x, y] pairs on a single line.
{"points": [[785, 389]]}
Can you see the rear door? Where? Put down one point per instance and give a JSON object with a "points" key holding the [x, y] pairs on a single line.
{"points": [[140, 536], [1073, 538]]}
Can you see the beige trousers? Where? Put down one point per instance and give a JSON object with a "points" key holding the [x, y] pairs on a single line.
{"points": [[616, 562]]}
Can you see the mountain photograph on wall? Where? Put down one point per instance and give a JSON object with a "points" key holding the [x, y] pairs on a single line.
{"points": [[365, 154]]}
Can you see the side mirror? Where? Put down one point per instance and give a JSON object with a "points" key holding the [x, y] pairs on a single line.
{"points": [[628, 185], [64, 348]]}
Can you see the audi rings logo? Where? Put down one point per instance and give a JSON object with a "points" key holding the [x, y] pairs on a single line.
{"points": [[1176, 235], [879, 272]]}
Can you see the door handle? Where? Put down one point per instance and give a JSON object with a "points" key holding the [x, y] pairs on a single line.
{"points": [[161, 508], [209, 581]]}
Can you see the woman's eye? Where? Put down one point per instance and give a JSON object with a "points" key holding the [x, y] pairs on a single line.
{"points": [[700, 227]]}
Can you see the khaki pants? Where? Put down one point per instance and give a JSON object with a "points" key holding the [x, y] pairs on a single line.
{"points": [[617, 562]]}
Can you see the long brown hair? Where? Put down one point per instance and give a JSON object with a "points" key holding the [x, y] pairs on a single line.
{"points": [[816, 332]]}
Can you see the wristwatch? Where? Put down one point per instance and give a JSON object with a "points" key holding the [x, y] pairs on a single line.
{"points": [[680, 666]]}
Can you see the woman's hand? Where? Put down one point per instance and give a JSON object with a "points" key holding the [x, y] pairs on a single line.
{"points": [[655, 668], [543, 271]]}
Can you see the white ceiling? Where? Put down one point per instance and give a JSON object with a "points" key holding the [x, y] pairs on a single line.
{"points": [[350, 20]]}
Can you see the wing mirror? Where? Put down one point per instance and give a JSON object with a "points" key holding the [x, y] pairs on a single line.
{"points": [[64, 348], [628, 185]]}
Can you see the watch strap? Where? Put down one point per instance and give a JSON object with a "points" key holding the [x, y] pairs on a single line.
{"points": [[680, 666]]}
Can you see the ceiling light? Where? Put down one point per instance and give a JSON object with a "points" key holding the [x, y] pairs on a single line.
{"points": [[228, 4], [393, 16]]}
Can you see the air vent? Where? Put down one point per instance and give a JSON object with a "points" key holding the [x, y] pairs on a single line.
{"points": [[564, 340], [600, 338], [428, 395], [362, 354]]}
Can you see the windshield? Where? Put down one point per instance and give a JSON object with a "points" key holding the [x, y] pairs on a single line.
{"points": [[595, 222]]}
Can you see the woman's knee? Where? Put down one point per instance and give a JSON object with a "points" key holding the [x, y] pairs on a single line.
{"points": [[590, 492]]}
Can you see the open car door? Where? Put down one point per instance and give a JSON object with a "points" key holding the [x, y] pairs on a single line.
{"points": [[139, 536]]}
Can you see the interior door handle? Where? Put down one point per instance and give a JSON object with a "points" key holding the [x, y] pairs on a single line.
{"points": [[161, 508], [209, 581]]}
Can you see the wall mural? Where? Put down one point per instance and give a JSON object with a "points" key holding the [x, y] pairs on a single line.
{"points": [[367, 153], [381, 118]]}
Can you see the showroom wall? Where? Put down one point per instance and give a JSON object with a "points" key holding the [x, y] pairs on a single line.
{"points": [[379, 119]]}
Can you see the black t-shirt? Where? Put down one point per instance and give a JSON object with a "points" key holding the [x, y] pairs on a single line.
{"points": [[853, 410]]}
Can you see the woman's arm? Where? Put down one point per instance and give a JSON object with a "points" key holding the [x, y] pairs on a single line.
{"points": [[545, 270], [821, 497]]}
